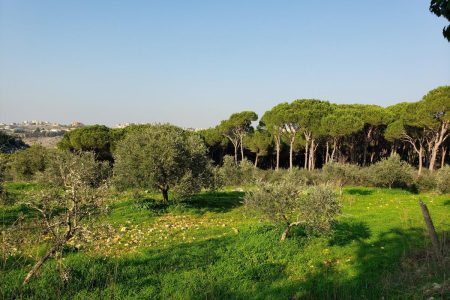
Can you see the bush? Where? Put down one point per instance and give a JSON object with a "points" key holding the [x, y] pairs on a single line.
{"points": [[26, 163], [216, 179], [242, 173], [390, 172], [247, 171], [286, 201], [443, 180], [320, 207], [426, 181], [297, 175], [342, 174], [94, 173]]}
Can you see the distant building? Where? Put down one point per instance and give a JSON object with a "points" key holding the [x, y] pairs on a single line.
{"points": [[76, 124]]}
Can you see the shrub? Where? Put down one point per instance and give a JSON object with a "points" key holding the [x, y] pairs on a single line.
{"points": [[300, 176], [443, 180], [237, 174], [94, 172], [341, 174], [426, 181], [286, 201], [216, 179], [390, 172], [26, 163], [230, 172], [247, 171], [319, 209]]}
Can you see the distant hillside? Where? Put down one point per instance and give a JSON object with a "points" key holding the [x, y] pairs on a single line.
{"points": [[47, 142]]}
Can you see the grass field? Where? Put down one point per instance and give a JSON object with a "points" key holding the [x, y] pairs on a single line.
{"points": [[210, 247]]}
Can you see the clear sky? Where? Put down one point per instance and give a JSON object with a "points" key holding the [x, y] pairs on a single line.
{"points": [[193, 63]]}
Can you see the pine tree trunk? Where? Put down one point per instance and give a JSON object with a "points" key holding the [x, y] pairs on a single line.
{"points": [[311, 155], [366, 145], [443, 154], [439, 139], [420, 159], [334, 149], [306, 155], [291, 150], [242, 149], [278, 146]]}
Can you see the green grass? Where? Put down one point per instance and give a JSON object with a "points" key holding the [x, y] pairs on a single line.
{"points": [[210, 247]]}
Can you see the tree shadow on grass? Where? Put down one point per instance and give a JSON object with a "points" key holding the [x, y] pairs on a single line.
{"points": [[358, 191], [215, 201], [447, 202], [377, 265], [346, 232], [202, 202]]}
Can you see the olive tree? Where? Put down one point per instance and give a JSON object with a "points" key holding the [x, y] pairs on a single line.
{"points": [[67, 208], [286, 201], [162, 157], [28, 162], [390, 172]]}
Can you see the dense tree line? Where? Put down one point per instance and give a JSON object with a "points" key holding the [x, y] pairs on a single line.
{"points": [[309, 133]]}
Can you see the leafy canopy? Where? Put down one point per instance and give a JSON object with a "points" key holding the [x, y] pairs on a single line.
{"points": [[161, 157]]}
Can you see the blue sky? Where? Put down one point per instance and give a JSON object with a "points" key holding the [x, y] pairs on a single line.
{"points": [[193, 63]]}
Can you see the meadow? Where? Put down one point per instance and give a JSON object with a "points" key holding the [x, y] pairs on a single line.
{"points": [[211, 247]]}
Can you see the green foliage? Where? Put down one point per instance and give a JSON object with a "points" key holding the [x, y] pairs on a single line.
{"points": [[341, 123], [235, 256], [10, 144], [247, 171], [390, 172], [96, 138], [320, 207], [426, 182], [443, 180], [442, 8], [238, 123], [288, 201], [233, 174], [342, 174], [162, 157], [278, 201], [90, 171], [310, 113], [26, 163], [435, 107], [259, 142]]}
